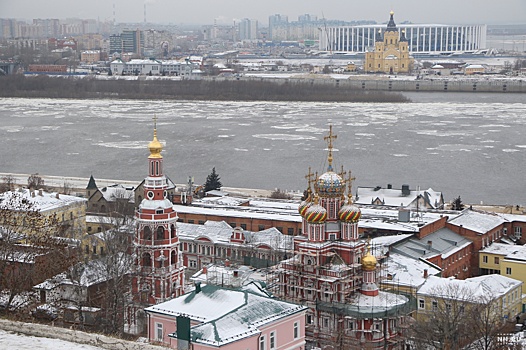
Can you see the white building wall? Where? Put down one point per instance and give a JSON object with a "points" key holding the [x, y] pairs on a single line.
{"points": [[421, 38]]}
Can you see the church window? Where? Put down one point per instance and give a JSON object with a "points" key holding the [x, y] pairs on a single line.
{"points": [[332, 209], [403, 65], [160, 232], [146, 260], [172, 231], [379, 65], [391, 41], [147, 233]]}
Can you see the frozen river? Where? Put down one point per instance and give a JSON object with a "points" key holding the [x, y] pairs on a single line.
{"points": [[472, 145]]}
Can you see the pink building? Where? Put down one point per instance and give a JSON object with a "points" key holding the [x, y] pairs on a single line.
{"points": [[213, 317]]}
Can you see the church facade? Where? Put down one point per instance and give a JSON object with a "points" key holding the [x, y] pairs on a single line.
{"points": [[391, 52], [334, 273]]}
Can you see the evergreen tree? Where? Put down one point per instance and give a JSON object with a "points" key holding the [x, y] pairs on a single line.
{"points": [[212, 181], [457, 204]]}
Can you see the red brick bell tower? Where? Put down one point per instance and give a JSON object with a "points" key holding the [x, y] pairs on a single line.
{"points": [[158, 271]]}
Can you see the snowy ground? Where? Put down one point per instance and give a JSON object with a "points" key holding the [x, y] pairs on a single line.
{"points": [[10, 340]]}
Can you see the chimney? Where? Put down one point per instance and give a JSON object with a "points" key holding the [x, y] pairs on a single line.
{"points": [[236, 273], [205, 270], [57, 196], [425, 273], [405, 190], [227, 263], [197, 287], [389, 186], [430, 243], [33, 194], [40, 192]]}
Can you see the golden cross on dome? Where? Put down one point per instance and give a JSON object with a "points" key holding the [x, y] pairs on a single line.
{"points": [[155, 121], [329, 143], [342, 173], [309, 177], [350, 180]]}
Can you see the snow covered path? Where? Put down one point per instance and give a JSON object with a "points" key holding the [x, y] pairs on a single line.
{"points": [[11, 340]]}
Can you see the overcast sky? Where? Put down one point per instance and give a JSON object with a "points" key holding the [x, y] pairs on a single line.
{"points": [[226, 11]]}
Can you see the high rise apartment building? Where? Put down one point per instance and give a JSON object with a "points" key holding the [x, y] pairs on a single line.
{"points": [[248, 29]]}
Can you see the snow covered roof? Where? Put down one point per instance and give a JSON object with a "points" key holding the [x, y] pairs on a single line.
{"points": [[224, 200], [220, 232], [226, 315], [406, 271], [383, 243], [86, 274], [239, 212], [396, 197], [443, 242], [511, 252], [480, 222], [39, 200], [381, 303], [474, 288], [233, 276], [118, 191]]}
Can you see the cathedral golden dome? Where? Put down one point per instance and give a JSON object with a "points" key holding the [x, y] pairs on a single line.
{"points": [[155, 146], [369, 261]]}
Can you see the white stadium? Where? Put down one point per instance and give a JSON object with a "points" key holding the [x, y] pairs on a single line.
{"points": [[423, 38]]}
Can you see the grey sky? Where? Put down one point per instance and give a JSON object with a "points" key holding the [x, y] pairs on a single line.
{"points": [[225, 11]]}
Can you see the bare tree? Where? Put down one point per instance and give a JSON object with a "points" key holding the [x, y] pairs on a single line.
{"points": [[35, 181], [29, 251], [456, 319], [487, 324], [7, 184], [279, 194]]}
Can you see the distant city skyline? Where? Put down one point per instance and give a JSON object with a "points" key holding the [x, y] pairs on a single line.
{"points": [[228, 11]]}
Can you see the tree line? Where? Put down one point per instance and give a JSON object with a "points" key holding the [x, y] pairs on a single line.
{"points": [[43, 86]]}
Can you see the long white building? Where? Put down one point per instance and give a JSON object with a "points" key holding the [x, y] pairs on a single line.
{"points": [[422, 38]]}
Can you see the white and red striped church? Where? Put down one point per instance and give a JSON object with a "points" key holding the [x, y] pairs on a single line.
{"points": [[334, 273], [158, 273]]}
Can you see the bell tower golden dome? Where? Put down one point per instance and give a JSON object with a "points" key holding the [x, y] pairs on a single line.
{"points": [[155, 146]]}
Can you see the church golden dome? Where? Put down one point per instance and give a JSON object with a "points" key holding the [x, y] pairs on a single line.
{"points": [[369, 261], [155, 146]]}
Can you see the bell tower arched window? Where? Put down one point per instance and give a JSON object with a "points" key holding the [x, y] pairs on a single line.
{"points": [[147, 233], [160, 232], [146, 260], [173, 257]]}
